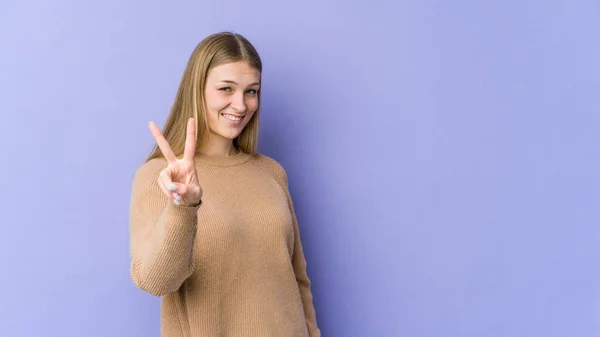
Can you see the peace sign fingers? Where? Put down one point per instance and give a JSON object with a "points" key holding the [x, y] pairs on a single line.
{"points": [[162, 143], [179, 181]]}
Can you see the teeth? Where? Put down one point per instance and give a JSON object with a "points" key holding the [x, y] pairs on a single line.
{"points": [[233, 118]]}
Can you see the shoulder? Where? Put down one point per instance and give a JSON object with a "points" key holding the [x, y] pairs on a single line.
{"points": [[273, 167], [148, 171]]}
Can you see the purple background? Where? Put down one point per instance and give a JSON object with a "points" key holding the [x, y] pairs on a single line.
{"points": [[443, 158]]}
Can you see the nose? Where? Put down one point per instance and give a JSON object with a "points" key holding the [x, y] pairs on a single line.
{"points": [[238, 102]]}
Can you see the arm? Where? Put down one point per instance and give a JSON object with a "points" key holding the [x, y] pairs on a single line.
{"points": [[161, 235], [299, 263], [304, 283]]}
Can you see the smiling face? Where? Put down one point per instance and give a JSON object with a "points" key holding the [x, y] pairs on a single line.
{"points": [[231, 97]]}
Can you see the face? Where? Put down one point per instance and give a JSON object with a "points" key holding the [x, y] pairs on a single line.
{"points": [[231, 96]]}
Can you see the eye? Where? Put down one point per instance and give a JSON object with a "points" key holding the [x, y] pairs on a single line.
{"points": [[252, 92], [226, 89]]}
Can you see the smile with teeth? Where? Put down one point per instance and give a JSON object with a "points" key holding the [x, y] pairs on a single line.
{"points": [[232, 117]]}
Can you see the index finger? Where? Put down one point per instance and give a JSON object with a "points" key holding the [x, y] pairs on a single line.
{"points": [[190, 141], [162, 143]]}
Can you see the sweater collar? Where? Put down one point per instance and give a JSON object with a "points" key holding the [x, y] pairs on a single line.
{"points": [[224, 161]]}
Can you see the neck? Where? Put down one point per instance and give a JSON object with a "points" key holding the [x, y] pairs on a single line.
{"points": [[218, 147]]}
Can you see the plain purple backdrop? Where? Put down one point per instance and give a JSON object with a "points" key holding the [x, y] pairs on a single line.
{"points": [[442, 155]]}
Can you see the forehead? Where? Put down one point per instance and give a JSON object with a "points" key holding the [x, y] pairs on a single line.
{"points": [[237, 71]]}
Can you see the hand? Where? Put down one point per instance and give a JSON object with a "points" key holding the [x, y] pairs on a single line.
{"points": [[179, 180]]}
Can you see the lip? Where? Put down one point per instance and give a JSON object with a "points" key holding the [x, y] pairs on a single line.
{"points": [[234, 115], [232, 121]]}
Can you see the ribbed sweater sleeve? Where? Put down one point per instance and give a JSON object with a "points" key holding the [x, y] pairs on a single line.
{"points": [[161, 234], [298, 259]]}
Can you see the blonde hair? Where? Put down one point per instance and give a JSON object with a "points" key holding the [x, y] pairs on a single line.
{"points": [[212, 51]]}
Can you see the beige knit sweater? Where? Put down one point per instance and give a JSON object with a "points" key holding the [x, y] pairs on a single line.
{"points": [[232, 266]]}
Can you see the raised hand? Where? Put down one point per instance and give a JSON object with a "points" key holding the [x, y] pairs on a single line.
{"points": [[179, 180]]}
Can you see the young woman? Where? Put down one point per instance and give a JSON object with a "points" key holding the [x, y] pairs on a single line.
{"points": [[212, 226]]}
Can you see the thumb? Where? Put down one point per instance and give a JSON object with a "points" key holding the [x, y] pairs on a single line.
{"points": [[178, 188]]}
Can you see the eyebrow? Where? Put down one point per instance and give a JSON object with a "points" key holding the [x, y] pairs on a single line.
{"points": [[234, 82]]}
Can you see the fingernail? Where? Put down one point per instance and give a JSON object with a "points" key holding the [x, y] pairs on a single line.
{"points": [[172, 187], [176, 196]]}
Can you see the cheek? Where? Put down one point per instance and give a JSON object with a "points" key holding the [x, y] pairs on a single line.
{"points": [[215, 103], [252, 104], [251, 109]]}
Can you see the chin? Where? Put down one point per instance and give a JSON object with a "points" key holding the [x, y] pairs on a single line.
{"points": [[225, 130], [229, 135]]}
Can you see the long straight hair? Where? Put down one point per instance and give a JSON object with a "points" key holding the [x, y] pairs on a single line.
{"points": [[212, 51]]}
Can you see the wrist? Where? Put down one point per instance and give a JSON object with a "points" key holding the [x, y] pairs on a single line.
{"points": [[183, 203]]}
